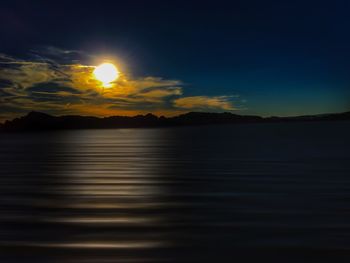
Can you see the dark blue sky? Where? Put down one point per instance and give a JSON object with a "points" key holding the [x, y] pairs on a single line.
{"points": [[280, 57]]}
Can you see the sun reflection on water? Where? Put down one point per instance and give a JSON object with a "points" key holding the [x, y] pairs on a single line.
{"points": [[113, 187]]}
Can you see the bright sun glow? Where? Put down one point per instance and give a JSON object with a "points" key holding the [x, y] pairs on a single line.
{"points": [[106, 73]]}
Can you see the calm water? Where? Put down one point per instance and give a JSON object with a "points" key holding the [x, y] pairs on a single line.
{"points": [[244, 193]]}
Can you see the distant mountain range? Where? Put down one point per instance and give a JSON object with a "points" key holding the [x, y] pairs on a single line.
{"points": [[42, 121]]}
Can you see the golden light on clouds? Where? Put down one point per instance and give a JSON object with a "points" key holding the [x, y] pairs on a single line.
{"points": [[106, 73], [64, 86]]}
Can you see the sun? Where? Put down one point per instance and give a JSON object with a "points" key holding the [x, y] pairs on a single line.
{"points": [[106, 73]]}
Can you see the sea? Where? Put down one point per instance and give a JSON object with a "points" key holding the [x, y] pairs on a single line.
{"points": [[268, 192]]}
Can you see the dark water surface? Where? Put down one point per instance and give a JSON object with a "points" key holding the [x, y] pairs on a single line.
{"points": [[239, 193]]}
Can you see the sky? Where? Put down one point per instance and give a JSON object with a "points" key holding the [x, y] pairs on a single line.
{"points": [[246, 57]]}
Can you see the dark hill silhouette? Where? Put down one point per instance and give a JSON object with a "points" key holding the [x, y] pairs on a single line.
{"points": [[42, 121]]}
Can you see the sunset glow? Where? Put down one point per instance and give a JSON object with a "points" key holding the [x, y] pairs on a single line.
{"points": [[106, 73]]}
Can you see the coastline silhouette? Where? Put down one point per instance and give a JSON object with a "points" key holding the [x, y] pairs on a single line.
{"points": [[42, 121]]}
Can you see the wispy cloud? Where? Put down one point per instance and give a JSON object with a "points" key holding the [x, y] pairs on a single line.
{"points": [[205, 102], [57, 81]]}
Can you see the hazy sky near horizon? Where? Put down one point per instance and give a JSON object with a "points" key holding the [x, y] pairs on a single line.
{"points": [[248, 57]]}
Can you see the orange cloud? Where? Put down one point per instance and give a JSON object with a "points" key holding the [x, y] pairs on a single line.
{"points": [[44, 84], [205, 102]]}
